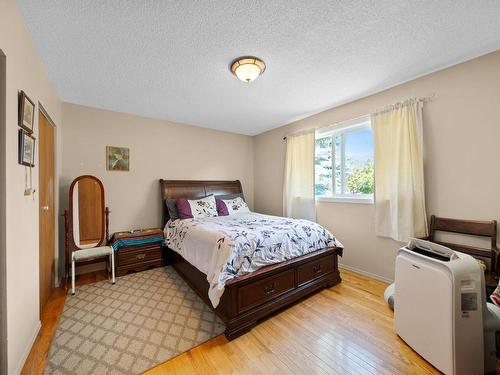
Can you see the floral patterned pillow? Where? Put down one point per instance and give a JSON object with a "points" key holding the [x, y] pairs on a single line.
{"points": [[233, 206], [196, 208], [204, 207]]}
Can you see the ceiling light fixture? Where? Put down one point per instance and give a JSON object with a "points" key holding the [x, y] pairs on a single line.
{"points": [[247, 68]]}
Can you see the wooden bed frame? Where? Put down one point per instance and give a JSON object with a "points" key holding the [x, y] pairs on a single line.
{"points": [[250, 298]]}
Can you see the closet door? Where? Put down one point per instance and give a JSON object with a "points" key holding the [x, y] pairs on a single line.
{"points": [[46, 188]]}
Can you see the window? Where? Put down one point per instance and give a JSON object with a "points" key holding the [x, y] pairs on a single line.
{"points": [[344, 162]]}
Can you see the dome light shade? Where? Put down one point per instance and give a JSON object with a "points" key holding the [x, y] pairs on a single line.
{"points": [[248, 68]]}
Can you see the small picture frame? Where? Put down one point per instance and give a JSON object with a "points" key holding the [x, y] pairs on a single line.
{"points": [[117, 158], [26, 148], [26, 112]]}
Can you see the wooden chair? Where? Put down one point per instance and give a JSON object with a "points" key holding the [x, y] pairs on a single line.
{"points": [[485, 229]]}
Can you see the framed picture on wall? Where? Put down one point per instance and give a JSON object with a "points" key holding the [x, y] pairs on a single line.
{"points": [[26, 148], [117, 158], [26, 112]]}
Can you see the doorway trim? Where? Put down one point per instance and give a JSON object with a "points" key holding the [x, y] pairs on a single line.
{"points": [[46, 114]]}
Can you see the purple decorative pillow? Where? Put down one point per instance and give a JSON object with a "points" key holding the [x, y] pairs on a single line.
{"points": [[221, 207], [184, 209]]}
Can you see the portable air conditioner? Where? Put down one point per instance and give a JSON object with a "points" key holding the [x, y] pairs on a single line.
{"points": [[438, 306]]}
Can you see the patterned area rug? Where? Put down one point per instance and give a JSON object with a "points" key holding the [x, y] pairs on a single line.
{"points": [[144, 319]]}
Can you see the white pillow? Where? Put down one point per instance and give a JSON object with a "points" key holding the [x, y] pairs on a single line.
{"points": [[235, 205], [204, 207]]}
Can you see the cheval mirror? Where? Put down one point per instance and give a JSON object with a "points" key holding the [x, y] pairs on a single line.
{"points": [[87, 226]]}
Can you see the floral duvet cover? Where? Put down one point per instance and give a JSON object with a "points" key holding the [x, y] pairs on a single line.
{"points": [[225, 247]]}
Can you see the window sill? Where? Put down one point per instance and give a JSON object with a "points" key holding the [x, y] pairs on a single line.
{"points": [[356, 200]]}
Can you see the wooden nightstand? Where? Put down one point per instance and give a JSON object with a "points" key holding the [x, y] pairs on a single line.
{"points": [[137, 250]]}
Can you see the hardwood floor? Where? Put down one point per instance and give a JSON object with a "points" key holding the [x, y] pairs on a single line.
{"points": [[347, 329]]}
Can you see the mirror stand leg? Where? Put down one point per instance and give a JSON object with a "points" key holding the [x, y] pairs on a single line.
{"points": [[112, 266], [73, 277]]}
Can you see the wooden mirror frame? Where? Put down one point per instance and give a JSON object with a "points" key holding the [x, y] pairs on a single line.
{"points": [[104, 226], [70, 244]]}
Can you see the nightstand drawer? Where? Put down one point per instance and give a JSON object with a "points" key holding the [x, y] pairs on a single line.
{"points": [[137, 250], [140, 255]]}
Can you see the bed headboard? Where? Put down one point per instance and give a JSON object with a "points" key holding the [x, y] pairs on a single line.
{"points": [[194, 189]]}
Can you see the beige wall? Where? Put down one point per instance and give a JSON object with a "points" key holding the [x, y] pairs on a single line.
{"points": [[24, 72], [462, 153], [158, 149]]}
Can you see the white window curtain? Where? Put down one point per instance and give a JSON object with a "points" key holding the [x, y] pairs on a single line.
{"points": [[298, 190], [399, 171]]}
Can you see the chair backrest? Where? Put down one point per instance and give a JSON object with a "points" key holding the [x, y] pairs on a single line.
{"points": [[486, 229]]}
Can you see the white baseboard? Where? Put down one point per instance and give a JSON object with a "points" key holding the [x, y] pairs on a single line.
{"points": [[366, 273], [27, 350]]}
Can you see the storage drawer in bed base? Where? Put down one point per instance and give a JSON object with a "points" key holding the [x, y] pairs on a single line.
{"points": [[252, 297]]}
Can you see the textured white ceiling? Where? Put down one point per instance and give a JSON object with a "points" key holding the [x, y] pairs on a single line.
{"points": [[169, 59]]}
